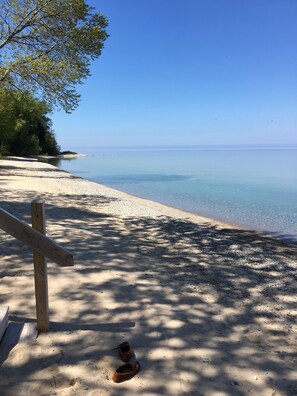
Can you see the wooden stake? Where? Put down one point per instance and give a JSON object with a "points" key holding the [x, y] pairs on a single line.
{"points": [[40, 269]]}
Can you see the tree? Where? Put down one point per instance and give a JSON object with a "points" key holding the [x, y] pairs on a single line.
{"points": [[46, 47], [25, 128]]}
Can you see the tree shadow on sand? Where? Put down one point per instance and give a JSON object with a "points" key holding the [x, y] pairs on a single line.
{"points": [[206, 303]]}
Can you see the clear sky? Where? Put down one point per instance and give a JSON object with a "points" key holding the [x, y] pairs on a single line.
{"points": [[190, 72]]}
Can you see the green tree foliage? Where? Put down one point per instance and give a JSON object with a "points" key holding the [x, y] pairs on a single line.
{"points": [[46, 47], [25, 128]]}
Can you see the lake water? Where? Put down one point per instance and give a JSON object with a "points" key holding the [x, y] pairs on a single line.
{"points": [[254, 189]]}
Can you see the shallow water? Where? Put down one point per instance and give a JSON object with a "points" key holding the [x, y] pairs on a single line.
{"points": [[254, 189]]}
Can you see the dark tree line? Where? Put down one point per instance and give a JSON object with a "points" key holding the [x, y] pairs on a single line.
{"points": [[25, 128]]}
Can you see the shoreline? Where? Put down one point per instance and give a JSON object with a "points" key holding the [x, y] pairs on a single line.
{"points": [[206, 306], [147, 202], [185, 214], [283, 238]]}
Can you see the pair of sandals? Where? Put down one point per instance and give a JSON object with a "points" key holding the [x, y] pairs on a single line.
{"points": [[128, 370]]}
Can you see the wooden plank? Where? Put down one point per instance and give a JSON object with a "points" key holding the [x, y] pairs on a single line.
{"points": [[28, 333], [34, 239], [40, 269], [17, 332], [3, 320]]}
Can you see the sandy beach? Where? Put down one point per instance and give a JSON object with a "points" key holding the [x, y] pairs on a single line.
{"points": [[208, 308]]}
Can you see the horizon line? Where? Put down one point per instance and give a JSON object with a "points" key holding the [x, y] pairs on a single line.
{"points": [[187, 147]]}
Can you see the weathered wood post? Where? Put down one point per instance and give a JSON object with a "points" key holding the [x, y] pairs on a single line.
{"points": [[40, 269], [42, 247]]}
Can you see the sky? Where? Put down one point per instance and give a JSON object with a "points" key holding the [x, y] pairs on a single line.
{"points": [[189, 73]]}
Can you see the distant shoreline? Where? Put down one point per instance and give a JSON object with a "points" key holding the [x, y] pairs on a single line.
{"points": [[62, 156]]}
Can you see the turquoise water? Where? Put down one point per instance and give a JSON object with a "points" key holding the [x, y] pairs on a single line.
{"points": [[254, 189]]}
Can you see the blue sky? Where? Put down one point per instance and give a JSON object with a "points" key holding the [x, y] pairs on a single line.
{"points": [[190, 73]]}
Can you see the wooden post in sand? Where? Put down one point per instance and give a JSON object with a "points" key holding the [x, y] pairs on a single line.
{"points": [[40, 269], [42, 247]]}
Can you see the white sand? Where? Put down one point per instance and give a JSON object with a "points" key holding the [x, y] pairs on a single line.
{"points": [[209, 309]]}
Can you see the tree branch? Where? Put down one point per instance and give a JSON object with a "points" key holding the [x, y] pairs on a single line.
{"points": [[27, 21]]}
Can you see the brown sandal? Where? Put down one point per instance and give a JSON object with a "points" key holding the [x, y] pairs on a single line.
{"points": [[126, 372], [125, 351]]}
